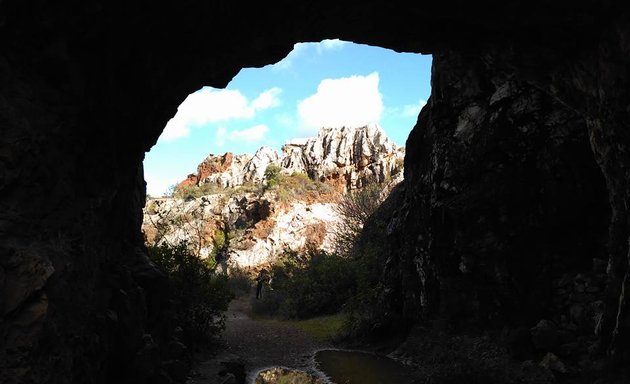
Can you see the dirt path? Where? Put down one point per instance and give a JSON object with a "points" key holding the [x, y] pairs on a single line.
{"points": [[264, 343]]}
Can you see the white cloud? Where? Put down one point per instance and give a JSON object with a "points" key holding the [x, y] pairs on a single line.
{"points": [[349, 101], [210, 105], [174, 129], [250, 135], [157, 186], [330, 44], [412, 110], [301, 48], [267, 99]]}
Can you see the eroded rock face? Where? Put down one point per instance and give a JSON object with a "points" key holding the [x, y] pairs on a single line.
{"points": [[356, 156], [347, 157], [225, 171], [259, 227], [86, 89], [509, 203]]}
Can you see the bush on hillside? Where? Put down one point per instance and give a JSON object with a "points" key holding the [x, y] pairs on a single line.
{"points": [[354, 209], [200, 295], [374, 310], [294, 185], [188, 192], [309, 284]]}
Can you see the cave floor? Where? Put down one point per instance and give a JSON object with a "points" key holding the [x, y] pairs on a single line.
{"points": [[261, 344]]}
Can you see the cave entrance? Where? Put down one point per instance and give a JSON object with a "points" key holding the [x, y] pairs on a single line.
{"points": [[218, 136], [330, 83]]}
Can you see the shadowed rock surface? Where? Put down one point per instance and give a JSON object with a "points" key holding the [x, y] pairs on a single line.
{"points": [[516, 174]]}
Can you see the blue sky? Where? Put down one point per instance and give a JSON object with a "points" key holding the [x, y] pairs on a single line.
{"points": [[331, 83]]}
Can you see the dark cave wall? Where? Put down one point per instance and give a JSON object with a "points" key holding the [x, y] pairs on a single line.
{"points": [[86, 88], [515, 195], [507, 192]]}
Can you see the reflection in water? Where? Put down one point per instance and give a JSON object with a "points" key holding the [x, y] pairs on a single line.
{"points": [[346, 367], [286, 376]]}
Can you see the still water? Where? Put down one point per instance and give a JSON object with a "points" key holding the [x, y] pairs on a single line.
{"points": [[347, 367], [343, 367]]}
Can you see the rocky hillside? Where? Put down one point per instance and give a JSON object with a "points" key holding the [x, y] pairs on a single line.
{"points": [[344, 157], [230, 211]]}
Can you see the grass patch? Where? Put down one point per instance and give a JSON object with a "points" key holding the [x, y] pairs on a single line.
{"points": [[321, 328]]}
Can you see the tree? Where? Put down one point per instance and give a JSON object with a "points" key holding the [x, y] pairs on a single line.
{"points": [[354, 210], [272, 175]]}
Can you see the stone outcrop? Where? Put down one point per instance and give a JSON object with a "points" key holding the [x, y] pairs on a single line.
{"points": [[86, 89], [225, 171], [355, 156], [259, 228], [346, 157]]}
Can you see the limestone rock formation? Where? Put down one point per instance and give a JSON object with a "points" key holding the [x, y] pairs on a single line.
{"points": [[224, 171], [356, 156], [349, 157], [258, 228], [255, 168]]}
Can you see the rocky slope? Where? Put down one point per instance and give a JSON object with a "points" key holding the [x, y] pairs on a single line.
{"points": [[243, 230], [260, 223]]}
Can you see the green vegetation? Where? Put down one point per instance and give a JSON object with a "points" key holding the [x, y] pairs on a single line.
{"points": [[195, 191], [307, 285], [322, 327], [240, 282], [314, 283], [355, 209], [372, 311], [273, 173], [293, 185], [200, 295], [151, 207]]}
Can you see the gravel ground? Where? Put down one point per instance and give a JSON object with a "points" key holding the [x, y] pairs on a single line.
{"points": [[262, 344]]}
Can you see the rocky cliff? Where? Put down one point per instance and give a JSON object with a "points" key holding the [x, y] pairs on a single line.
{"points": [[352, 157], [261, 223], [348, 157], [87, 87], [514, 221]]}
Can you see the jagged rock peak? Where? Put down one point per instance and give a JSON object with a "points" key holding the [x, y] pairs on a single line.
{"points": [[357, 155], [349, 157], [255, 168]]}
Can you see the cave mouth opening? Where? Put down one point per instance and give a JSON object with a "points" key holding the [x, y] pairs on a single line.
{"points": [[331, 83]]}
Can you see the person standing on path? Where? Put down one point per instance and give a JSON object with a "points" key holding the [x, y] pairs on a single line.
{"points": [[260, 281]]}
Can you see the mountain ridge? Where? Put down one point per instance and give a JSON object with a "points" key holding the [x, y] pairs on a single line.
{"points": [[348, 157]]}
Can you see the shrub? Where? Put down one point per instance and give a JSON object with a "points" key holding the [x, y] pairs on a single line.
{"points": [[306, 285], [354, 209], [272, 175], [240, 281], [200, 295], [151, 207], [294, 185], [188, 192], [375, 309]]}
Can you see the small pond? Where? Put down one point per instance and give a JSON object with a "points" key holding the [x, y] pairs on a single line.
{"points": [[348, 367], [343, 367]]}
